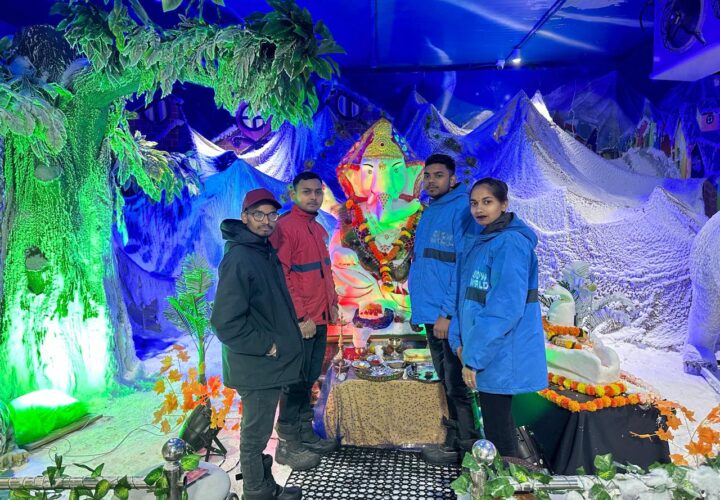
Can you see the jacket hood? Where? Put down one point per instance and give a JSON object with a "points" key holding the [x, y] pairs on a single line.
{"points": [[508, 222], [237, 231], [457, 191]]}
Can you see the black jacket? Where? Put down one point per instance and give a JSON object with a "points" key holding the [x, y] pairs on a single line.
{"points": [[253, 310]]}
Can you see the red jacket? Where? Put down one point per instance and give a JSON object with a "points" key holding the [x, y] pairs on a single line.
{"points": [[301, 244]]}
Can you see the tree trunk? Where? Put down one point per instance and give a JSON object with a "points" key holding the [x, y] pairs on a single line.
{"points": [[63, 323]]}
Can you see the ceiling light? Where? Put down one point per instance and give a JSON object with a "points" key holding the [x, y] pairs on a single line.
{"points": [[515, 56]]}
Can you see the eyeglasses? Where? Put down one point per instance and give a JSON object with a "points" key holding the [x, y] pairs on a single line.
{"points": [[260, 216]]}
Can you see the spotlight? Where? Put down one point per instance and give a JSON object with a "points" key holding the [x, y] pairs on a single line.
{"points": [[515, 56], [198, 434], [500, 64]]}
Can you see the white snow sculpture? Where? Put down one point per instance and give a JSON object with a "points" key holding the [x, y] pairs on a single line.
{"points": [[562, 310], [704, 322]]}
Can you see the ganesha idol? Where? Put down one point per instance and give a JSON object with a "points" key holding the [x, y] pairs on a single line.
{"points": [[569, 352], [371, 250]]}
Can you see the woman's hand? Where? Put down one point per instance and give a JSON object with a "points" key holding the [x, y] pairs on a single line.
{"points": [[468, 375]]}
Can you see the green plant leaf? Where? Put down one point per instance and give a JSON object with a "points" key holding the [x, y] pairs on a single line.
{"points": [[74, 495], [122, 492], [101, 489], [20, 494], [580, 471], [152, 478], [190, 462], [470, 463], [163, 481], [541, 494], [598, 492], [462, 483], [603, 462], [539, 476], [499, 487], [518, 472], [607, 475]]}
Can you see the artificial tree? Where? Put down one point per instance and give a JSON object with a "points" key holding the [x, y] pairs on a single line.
{"points": [[68, 152]]}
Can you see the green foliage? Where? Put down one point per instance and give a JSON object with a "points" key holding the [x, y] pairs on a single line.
{"points": [[605, 467], [268, 62], [155, 171], [190, 462], [29, 105], [189, 310], [158, 477]]}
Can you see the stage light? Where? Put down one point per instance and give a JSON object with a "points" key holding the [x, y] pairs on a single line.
{"points": [[515, 56], [198, 434], [500, 64]]}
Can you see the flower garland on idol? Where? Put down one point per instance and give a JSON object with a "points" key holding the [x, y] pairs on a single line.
{"points": [[384, 260], [608, 396]]}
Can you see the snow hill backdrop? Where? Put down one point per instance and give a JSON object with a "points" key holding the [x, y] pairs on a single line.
{"points": [[602, 173]]}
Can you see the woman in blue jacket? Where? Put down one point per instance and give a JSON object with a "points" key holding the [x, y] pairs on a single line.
{"points": [[500, 338]]}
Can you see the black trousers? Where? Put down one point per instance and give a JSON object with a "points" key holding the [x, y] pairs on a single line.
{"points": [[498, 422], [257, 424], [295, 398], [449, 370]]}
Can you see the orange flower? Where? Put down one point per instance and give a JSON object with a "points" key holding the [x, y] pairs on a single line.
{"points": [[706, 434], [214, 385], [663, 434], [590, 405], [166, 364], [159, 386], [183, 356], [698, 448], [673, 422], [171, 403], [174, 376], [192, 374], [714, 415], [165, 426], [574, 406], [678, 459]]}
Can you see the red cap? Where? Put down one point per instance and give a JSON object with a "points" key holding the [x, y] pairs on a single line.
{"points": [[256, 196]]}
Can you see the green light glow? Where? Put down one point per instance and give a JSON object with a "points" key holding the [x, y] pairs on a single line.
{"points": [[37, 414], [55, 327]]}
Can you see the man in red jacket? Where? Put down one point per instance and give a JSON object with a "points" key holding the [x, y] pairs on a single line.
{"points": [[301, 244]]}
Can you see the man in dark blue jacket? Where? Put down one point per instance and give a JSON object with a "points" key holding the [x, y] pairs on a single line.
{"points": [[254, 318], [438, 240]]}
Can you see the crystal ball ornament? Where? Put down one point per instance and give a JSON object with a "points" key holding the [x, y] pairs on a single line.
{"points": [[483, 451]]}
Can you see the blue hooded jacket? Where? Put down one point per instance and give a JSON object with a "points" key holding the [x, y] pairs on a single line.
{"points": [[438, 239], [500, 324]]}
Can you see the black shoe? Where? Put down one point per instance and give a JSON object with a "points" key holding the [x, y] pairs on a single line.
{"points": [[295, 455], [315, 443], [288, 493], [267, 492], [440, 455]]}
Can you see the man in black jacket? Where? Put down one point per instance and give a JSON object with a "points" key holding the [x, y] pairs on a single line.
{"points": [[254, 318]]}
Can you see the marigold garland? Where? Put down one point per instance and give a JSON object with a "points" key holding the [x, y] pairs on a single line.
{"points": [[567, 344], [614, 389], [404, 241], [608, 396], [593, 405], [555, 330]]}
